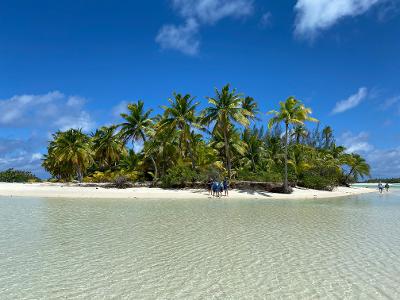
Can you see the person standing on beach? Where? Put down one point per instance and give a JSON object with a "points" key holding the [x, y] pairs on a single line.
{"points": [[387, 187], [215, 188], [225, 184], [380, 187], [209, 186]]}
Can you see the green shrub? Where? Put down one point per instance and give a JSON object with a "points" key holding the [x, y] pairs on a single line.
{"points": [[12, 175], [178, 176], [98, 177], [320, 178], [270, 175], [110, 176]]}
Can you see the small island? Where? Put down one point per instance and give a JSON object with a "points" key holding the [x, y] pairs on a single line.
{"points": [[186, 147]]}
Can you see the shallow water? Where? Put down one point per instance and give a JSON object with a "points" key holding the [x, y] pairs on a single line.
{"points": [[196, 249]]}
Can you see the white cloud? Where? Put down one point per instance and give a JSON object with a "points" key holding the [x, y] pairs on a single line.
{"points": [[350, 102], [120, 108], [81, 120], [39, 116], [183, 38], [356, 143], [211, 11], [383, 162], [36, 156], [22, 154], [52, 110], [314, 16], [197, 13]]}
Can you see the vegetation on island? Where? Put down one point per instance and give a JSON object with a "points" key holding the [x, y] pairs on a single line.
{"points": [[11, 175], [386, 180], [184, 144]]}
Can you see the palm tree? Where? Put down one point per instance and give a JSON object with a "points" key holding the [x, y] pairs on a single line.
{"points": [[337, 152], [108, 147], [250, 105], [181, 116], [291, 112], [137, 126], [358, 167], [50, 162], [254, 149], [327, 134], [129, 161], [225, 111], [299, 132], [162, 146], [237, 147], [71, 152]]}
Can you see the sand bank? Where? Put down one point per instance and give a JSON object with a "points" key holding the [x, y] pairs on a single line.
{"points": [[57, 190]]}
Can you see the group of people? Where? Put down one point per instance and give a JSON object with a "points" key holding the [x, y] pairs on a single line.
{"points": [[217, 188], [381, 187]]}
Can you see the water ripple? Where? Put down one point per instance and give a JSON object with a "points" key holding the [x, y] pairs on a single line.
{"points": [[211, 249]]}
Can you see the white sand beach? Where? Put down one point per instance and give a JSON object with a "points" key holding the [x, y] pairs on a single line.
{"points": [[75, 191]]}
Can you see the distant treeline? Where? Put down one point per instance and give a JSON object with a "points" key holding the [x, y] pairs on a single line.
{"points": [[12, 175], [388, 180]]}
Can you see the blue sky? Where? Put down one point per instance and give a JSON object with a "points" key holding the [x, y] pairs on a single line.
{"points": [[76, 63]]}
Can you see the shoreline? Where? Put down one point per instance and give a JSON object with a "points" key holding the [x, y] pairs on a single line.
{"points": [[80, 191]]}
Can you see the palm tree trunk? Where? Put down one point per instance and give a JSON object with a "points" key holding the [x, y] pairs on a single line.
{"points": [[348, 175], [152, 160], [155, 168], [285, 183], [79, 174], [253, 164], [191, 154], [227, 154]]}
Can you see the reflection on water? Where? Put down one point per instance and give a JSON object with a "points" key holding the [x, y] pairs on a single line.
{"points": [[348, 247]]}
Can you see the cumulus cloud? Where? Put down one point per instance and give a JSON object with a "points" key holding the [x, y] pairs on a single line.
{"points": [[313, 16], [211, 11], [37, 116], [197, 13], [383, 162], [356, 143], [120, 108], [53, 109], [183, 38], [351, 102], [22, 153]]}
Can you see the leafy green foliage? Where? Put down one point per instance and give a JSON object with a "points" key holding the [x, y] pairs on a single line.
{"points": [[291, 112], [70, 153], [180, 175], [320, 178], [12, 175], [182, 146], [111, 176], [271, 175]]}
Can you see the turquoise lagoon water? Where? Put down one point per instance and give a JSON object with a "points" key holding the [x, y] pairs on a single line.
{"points": [[392, 186], [200, 249]]}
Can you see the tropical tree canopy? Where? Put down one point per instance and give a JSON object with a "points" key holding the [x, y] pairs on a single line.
{"points": [[291, 112], [183, 145]]}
